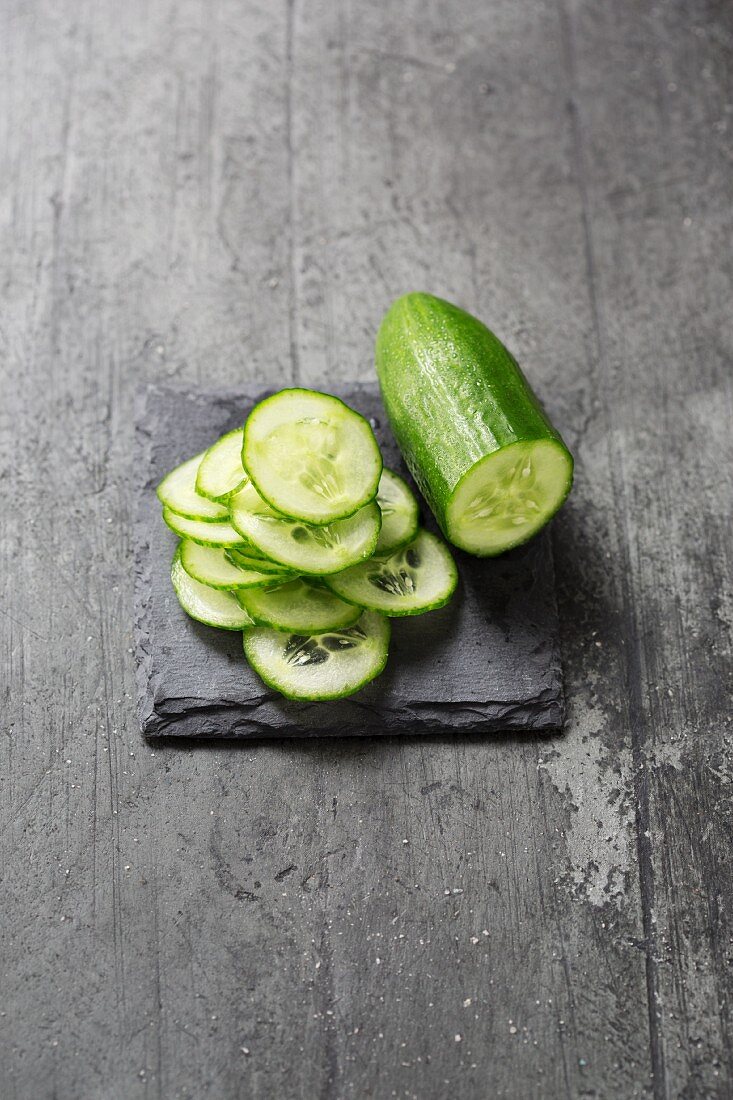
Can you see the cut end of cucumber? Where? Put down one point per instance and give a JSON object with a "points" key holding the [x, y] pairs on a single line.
{"points": [[508, 496]]}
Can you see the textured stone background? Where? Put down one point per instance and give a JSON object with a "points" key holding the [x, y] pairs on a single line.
{"points": [[223, 192], [490, 660]]}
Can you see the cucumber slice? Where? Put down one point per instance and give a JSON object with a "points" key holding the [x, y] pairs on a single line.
{"points": [[474, 435], [320, 666], [250, 558], [210, 566], [177, 493], [300, 546], [207, 605], [414, 579], [508, 496], [221, 471], [299, 606], [203, 532], [400, 513], [310, 456], [250, 551]]}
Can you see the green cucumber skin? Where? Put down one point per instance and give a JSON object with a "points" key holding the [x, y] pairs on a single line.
{"points": [[453, 394]]}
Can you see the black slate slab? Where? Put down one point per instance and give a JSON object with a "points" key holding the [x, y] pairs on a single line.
{"points": [[489, 661]]}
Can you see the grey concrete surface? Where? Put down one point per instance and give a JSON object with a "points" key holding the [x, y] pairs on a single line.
{"points": [[225, 193]]}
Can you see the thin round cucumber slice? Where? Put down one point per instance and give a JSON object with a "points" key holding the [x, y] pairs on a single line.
{"points": [[221, 472], [250, 558], [300, 546], [323, 666], [506, 497], [204, 533], [310, 456], [210, 566], [414, 579], [207, 605], [299, 606], [400, 513], [177, 493]]}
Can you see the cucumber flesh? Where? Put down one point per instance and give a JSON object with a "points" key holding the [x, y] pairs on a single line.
{"points": [[457, 399], [508, 496], [177, 493], [410, 581], [250, 558], [203, 532], [300, 546], [299, 606], [330, 665], [310, 456], [207, 605], [400, 513], [221, 472], [210, 566]]}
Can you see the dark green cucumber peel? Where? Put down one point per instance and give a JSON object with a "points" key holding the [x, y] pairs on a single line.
{"points": [[478, 443]]}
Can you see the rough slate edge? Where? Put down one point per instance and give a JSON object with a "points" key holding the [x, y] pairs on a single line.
{"points": [[349, 717]]}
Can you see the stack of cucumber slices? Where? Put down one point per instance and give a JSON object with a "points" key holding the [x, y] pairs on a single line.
{"points": [[294, 533]]}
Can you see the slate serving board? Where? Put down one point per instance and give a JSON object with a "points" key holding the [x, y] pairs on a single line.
{"points": [[489, 661]]}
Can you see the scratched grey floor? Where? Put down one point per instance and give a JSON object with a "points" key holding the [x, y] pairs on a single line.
{"points": [[216, 191]]}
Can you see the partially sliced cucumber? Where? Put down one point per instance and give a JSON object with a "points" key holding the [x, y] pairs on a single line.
{"points": [[209, 565], [299, 606], [400, 513], [414, 579], [221, 471], [310, 456], [177, 493], [508, 495], [203, 532], [474, 435], [300, 546], [320, 666], [207, 605]]}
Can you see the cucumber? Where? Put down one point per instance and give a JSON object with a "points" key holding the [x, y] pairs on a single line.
{"points": [[475, 437], [221, 472], [300, 546], [320, 666], [416, 578], [210, 566], [177, 493], [298, 606], [310, 456], [400, 513], [203, 532], [207, 605], [251, 558]]}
